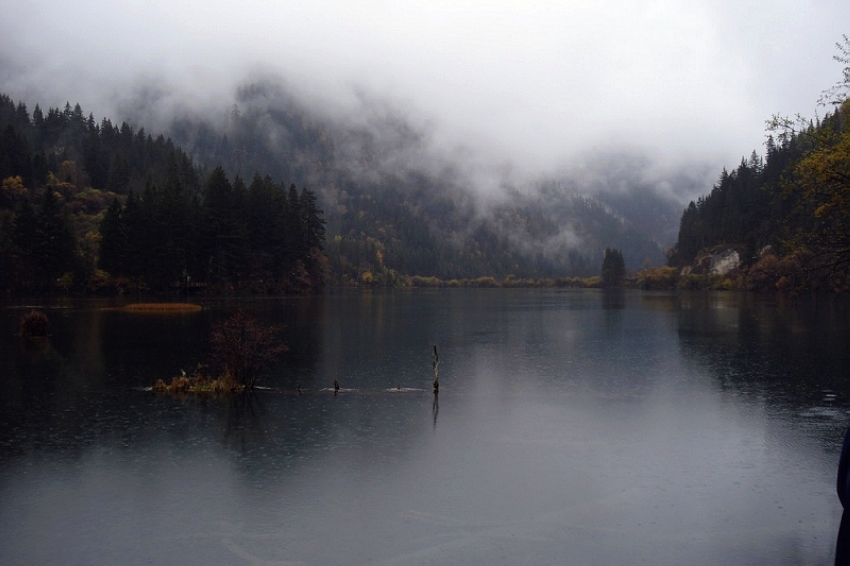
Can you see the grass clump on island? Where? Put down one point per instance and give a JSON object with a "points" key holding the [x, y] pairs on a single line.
{"points": [[199, 382], [243, 347]]}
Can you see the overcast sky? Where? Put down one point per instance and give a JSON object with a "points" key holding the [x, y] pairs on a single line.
{"points": [[541, 82]]}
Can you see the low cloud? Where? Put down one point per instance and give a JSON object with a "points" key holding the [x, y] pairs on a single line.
{"points": [[508, 91]]}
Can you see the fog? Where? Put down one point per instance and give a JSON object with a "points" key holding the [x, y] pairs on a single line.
{"points": [[521, 89]]}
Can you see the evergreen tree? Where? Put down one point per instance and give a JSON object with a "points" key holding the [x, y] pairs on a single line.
{"points": [[135, 238], [224, 233], [113, 240], [264, 209], [613, 269], [15, 157], [312, 221], [821, 192], [23, 243], [55, 244], [294, 242]]}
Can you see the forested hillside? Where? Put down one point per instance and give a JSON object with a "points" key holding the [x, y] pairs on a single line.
{"points": [[394, 205], [788, 214], [95, 206], [209, 205]]}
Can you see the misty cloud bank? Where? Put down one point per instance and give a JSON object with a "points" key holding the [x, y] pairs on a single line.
{"points": [[275, 131], [628, 108], [533, 84]]}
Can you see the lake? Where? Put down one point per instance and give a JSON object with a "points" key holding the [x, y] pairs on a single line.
{"points": [[571, 427]]}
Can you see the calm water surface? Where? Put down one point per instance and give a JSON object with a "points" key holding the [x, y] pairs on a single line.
{"points": [[571, 427]]}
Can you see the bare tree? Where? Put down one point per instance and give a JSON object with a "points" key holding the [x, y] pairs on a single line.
{"points": [[245, 347]]}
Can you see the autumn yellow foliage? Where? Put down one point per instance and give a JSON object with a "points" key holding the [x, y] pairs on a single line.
{"points": [[160, 307]]}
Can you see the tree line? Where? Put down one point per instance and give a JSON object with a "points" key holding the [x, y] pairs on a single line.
{"points": [[393, 209], [787, 214], [94, 206]]}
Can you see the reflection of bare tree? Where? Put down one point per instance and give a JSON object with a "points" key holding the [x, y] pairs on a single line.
{"points": [[435, 407], [436, 370], [245, 347], [244, 416]]}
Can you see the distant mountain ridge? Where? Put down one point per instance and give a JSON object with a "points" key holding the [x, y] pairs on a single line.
{"points": [[786, 216], [384, 188], [392, 204]]}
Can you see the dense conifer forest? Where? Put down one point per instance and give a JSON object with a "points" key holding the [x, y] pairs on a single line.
{"points": [[90, 206], [97, 207], [395, 207], [788, 214]]}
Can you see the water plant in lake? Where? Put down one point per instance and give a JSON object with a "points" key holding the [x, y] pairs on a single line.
{"points": [[243, 347], [199, 382]]}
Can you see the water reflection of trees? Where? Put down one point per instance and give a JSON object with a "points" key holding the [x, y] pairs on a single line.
{"points": [[81, 386], [82, 392], [790, 351], [613, 299]]}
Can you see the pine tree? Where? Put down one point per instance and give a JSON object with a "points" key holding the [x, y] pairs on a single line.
{"points": [[223, 236], [55, 243], [312, 221], [23, 243], [136, 241], [113, 240], [613, 269]]}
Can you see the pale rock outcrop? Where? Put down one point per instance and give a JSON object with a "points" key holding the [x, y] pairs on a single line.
{"points": [[724, 262], [717, 263]]}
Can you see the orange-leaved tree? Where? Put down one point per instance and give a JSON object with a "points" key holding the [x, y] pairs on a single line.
{"points": [[245, 347], [821, 181]]}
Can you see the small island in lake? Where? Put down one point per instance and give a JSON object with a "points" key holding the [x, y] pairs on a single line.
{"points": [[242, 346]]}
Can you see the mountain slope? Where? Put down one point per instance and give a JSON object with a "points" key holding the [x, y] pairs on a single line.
{"points": [[394, 202]]}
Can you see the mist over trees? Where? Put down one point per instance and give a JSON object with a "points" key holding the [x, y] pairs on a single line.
{"points": [[95, 205], [396, 205], [88, 206], [787, 213]]}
